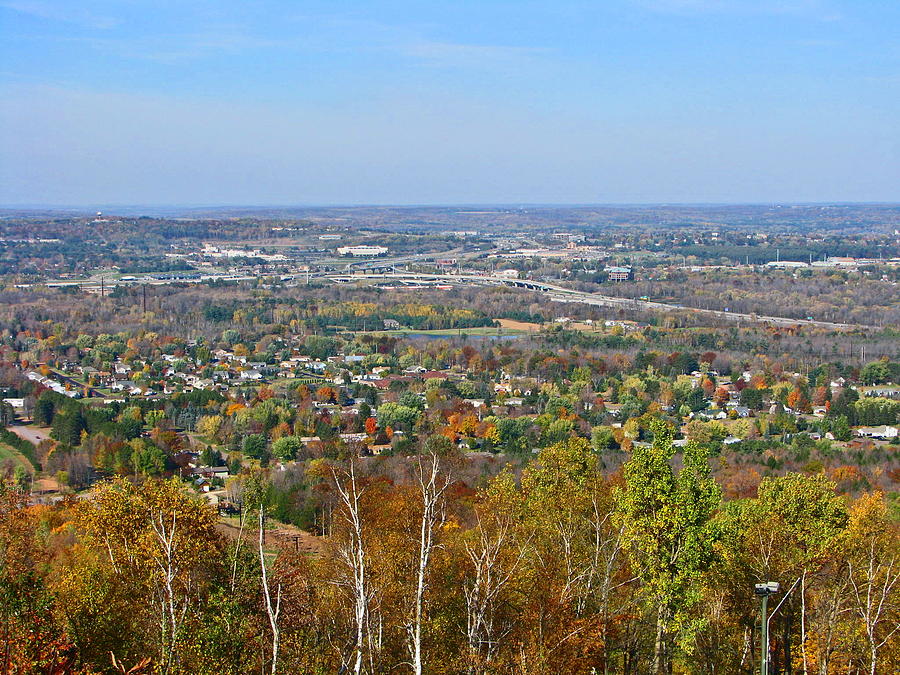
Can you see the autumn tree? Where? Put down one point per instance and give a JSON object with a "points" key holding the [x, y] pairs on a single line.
{"points": [[159, 540], [669, 536], [873, 570], [31, 640], [789, 531], [575, 559], [493, 555]]}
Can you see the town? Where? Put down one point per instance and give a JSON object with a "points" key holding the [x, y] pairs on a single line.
{"points": [[321, 404]]}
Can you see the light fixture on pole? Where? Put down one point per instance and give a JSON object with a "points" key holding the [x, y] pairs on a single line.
{"points": [[764, 591]]}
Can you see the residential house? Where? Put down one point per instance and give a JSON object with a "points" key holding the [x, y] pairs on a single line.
{"points": [[884, 432]]}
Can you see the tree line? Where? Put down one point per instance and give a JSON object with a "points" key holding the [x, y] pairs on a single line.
{"points": [[553, 568]]}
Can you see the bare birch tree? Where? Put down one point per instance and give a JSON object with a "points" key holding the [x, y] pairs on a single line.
{"points": [[874, 577], [256, 497], [173, 604], [352, 553], [431, 490], [494, 557]]}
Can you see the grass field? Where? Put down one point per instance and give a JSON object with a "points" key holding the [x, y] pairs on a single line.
{"points": [[577, 325], [488, 331], [6, 452], [293, 382], [521, 326]]}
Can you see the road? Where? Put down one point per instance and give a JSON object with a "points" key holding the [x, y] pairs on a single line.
{"points": [[555, 292], [98, 281], [562, 294], [360, 264], [32, 434]]}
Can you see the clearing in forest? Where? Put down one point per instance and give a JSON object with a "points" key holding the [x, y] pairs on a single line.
{"points": [[519, 325]]}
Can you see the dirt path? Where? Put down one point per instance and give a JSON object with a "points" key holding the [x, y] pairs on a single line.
{"points": [[284, 537]]}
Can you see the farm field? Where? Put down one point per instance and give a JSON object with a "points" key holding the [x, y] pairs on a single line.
{"points": [[511, 324]]}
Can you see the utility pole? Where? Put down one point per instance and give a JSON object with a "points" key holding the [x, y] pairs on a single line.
{"points": [[764, 639], [764, 591], [144, 305]]}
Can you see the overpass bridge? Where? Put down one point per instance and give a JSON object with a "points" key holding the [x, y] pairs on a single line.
{"points": [[563, 294]]}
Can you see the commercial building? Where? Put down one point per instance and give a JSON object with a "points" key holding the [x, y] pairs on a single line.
{"points": [[618, 273], [362, 251]]}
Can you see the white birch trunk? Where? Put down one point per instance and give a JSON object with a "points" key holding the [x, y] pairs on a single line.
{"points": [[272, 612], [431, 493], [353, 554]]}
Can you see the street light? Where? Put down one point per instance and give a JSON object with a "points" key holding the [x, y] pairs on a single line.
{"points": [[764, 591]]}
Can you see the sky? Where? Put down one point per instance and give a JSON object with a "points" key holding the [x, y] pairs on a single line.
{"points": [[294, 102]]}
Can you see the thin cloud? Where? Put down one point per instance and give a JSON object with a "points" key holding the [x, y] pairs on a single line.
{"points": [[67, 13], [459, 54], [818, 7], [322, 34], [889, 79], [335, 32], [818, 43], [179, 47]]}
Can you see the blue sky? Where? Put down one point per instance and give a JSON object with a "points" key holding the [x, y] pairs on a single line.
{"points": [[489, 101]]}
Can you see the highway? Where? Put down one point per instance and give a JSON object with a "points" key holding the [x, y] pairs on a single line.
{"points": [[356, 271], [562, 294], [361, 264]]}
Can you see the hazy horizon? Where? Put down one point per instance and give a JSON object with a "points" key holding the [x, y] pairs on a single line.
{"points": [[439, 205]]}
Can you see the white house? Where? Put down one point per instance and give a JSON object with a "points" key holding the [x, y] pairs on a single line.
{"points": [[884, 431]]}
